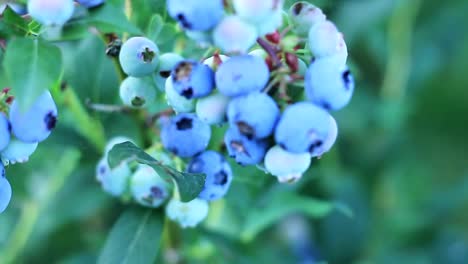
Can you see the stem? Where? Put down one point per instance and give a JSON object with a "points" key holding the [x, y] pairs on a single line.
{"points": [[108, 108], [271, 50]]}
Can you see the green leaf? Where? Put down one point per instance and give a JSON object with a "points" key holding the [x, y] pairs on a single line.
{"points": [[135, 238], [284, 204], [32, 66], [155, 27], [189, 184], [12, 24], [110, 19]]}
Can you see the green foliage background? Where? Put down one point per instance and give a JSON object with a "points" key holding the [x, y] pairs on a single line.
{"points": [[400, 164]]}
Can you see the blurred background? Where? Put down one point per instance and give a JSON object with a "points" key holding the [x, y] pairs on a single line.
{"points": [[400, 163]]}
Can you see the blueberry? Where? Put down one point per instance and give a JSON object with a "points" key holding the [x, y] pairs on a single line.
{"points": [[192, 79], [304, 16], [271, 23], [259, 53], [212, 109], [139, 56], [113, 181], [233, 35], [36, 123], [256, 11], [179, 103], [137, 92], [188, 214], [185, 135], [329, 84], [90, 3], [196, 14], [286, 166], [167, 62], [148, 188], [244, 150], [241, 75], [4, 131], [51, 12], [218, 174], [302, 128], [329, 141], [5, 190], [254, 115], [325, 40], [18, 151]]}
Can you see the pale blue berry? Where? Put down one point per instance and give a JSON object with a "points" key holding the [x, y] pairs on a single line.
{"points": [[179, 103], [233, 35], [188, 214], [212, 109], [286, 166], [18, 151], [139, 56], [137, 92], [148, 188], [51, 12]]}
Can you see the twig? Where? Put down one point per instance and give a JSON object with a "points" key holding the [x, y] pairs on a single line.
{"points": [[271, 50]]}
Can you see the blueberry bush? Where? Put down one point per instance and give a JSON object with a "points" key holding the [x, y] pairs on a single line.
{"points": [[235, 131]]}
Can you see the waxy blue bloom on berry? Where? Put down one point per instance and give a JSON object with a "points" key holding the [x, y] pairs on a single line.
{"points": [[212, 109], [4, 131], [329, 83], [167, 62], [185, 135], [139, 56], [304, 16], [192, 79], [5, 190], [302, 128], [148, 188], [329, 141], [244, 150], [218, 174], [18, 151], [51, 12], [188, 214], [35, 123], [137, 92], [113, 181], [196, 14], [179, 103], [254, 115], [286, 166], [233, 35], [242, 75]]}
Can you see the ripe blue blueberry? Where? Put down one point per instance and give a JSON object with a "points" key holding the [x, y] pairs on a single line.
{"points": [[244, 150], [233, 35], [148, 188], [196, 14], [325, 40], [304, 16], [329, 83], [179, 103], [5, 190], [167, 62], [286, 166], [185, 135], [192, 79], [36, 123], [51, 12], [303, 127], [218, 174], [18, 151], [90, 3], [137, 92], [271, 23], [254, 115], [256, 11], [139, 56], [188, 214], [212, 109], [241, 75], [113, 181], [4, 131], [329, 141]]}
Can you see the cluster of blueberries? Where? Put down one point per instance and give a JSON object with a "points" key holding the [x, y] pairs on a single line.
{"points": [[263, 127], [21, 130]]}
